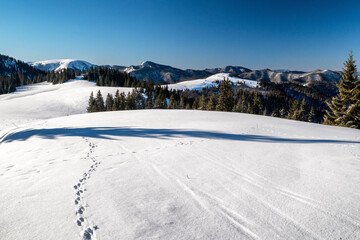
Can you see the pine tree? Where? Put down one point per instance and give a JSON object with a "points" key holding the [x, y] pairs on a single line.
{"points": [[92, 103], [172, 102], [294, 110], [116, 102], [182, 103], [211, 105], [109, 102], [256, 107], [122, 101], [195, 105], [202, 103], [311, 117], [99, 102], [226, 99], [302, 111], [282, 113], [345, 107]]}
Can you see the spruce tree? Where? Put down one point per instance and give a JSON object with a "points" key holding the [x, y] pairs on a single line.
{"points": [[211, 105], [109, 102], [302, 111], [311, 117], [172, 102], [92, 103], [116, 102], [226, 99], [195, 104], [99, 102], [282, 113], [202, 103], [256, 105], [294, 110], [345, 107]]}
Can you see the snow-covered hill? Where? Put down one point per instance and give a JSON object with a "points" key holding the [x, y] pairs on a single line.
{"points": [[60, 64], [155, 174], [211, 81], [45, 100]]}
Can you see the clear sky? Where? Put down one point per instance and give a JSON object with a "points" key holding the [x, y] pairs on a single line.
{"points": [[277, 34]]}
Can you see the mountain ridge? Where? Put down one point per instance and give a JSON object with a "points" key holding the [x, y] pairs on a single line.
{"points": [[166, 74]]}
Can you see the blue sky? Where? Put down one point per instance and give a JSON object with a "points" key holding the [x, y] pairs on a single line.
{"points": [[277, 34]]}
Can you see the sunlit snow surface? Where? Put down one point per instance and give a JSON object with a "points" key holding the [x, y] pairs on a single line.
{"points": [[211, 81], [61, 64], [170, 174], [45, 100]]}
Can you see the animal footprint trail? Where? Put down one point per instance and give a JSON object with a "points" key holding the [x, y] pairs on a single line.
{"points": [[87, 229]]}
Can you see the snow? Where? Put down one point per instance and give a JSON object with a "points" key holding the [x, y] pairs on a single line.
{"points": [[170, 174], [45, 100], [60, 64], [211, 81]]}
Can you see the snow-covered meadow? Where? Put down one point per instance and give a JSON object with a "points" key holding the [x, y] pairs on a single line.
{"points": [[169, 174], [45, 100]]}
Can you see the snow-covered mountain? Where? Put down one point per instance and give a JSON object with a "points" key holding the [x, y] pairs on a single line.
{"points": [[10, 66], [60, 64], [166, 74], [211, 81], [268, 75]]}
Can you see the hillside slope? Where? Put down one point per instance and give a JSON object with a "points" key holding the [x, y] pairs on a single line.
{"points": [[211, 81], [10, 66], [155, 174], [45, 100]]}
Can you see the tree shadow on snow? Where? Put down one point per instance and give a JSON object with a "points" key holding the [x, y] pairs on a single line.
{"points": [[112, 132]]}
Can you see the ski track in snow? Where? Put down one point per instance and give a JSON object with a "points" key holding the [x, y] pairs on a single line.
{"points": [[87, 230]]}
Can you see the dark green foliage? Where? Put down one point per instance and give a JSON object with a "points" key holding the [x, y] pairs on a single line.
{"points": [[15, 73], [345, 107], [211, 105], [99, 102], [92, 104], [111, 77], [226, 100], [289, 100], [109, 102]]}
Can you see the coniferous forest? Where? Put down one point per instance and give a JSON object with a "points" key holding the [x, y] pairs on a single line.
{"points": [[324, 102], [228, 97], [291, 100]]}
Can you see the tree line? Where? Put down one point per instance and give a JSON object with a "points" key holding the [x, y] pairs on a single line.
{"points": [[227, 97], [315, 103], [111, 77]]}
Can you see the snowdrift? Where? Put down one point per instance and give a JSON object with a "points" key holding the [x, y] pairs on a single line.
{"points": [[155, 174]]}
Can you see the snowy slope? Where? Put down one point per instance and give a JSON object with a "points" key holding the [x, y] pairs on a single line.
{"points": [[199, 84], [156, 174], [60, 64], [45, 100]]}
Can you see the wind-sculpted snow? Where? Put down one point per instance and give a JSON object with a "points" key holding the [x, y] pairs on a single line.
{"points": [[156, 174]]}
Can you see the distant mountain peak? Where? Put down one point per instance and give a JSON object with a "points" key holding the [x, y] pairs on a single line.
{"points": [[60, 64]]}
